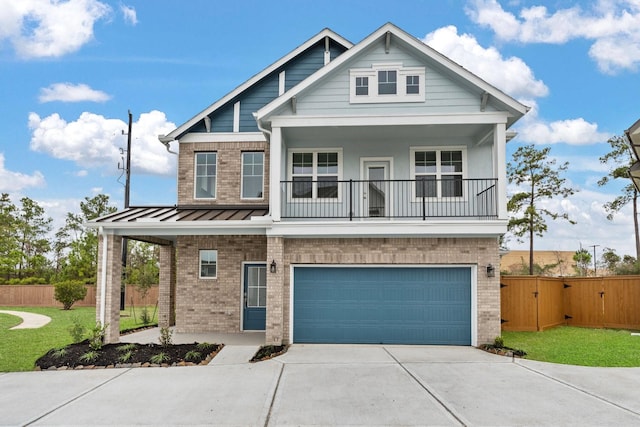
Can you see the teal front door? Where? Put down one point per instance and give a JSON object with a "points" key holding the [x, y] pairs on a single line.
{"points": [[255, 297]]}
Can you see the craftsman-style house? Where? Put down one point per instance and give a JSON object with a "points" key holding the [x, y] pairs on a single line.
{"points": [[347, 193]]}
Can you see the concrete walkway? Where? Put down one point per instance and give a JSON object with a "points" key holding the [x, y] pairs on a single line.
{"points": [[29, 320], [331, 385]]}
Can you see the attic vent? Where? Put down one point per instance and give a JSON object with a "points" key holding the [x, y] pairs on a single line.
{"points": [[387, 41]]}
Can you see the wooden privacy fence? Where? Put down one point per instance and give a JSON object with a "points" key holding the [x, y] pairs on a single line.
{"points": [[534, 303], [42, 296]]}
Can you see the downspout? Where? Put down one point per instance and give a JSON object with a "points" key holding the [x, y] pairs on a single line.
{"points": [[103, 276], [166, 141]]}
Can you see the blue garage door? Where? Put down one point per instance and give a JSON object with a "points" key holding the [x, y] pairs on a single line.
{"points": [[382, 305]]}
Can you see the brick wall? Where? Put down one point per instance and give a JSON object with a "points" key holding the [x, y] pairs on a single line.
{"points": [[476, 251], [229, 157], [213, 304]]}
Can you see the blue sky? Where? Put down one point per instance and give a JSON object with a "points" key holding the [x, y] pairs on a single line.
{"points": [[71, 69]]}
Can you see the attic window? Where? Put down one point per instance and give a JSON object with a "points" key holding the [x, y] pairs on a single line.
{"points": [[388, 82]]}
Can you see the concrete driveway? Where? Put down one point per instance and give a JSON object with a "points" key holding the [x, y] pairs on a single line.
{"points": [[330, 385]]}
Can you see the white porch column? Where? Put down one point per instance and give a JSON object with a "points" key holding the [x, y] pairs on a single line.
{"points": [[275, 158], [500, 167]]}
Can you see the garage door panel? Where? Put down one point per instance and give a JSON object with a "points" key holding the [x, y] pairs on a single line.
{"points": [[382, 305]]}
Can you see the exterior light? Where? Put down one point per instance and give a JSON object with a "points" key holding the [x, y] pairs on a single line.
{"points": [[272, 268], [491, 271]]}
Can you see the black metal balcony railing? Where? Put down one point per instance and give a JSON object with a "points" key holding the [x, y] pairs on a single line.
{"points": [[451, 197]]}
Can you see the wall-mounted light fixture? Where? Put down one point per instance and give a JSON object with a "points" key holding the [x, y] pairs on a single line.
{"points": [[273, 266], [491, 271]]}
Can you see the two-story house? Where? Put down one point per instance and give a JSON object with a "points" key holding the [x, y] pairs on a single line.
{"points": [[345, 194]]}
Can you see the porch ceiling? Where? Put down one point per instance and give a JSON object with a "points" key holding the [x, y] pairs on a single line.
{"points": [[475, 132]]}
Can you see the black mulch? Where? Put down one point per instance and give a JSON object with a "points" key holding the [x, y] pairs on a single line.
{"points": [[126, 355]]}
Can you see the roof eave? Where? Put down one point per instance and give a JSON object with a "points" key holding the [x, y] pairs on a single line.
{"points": [[177, 133], [510, 102]]}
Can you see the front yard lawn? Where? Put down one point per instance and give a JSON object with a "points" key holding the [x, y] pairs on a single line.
{"points": [[578, 346], [20, 348]]}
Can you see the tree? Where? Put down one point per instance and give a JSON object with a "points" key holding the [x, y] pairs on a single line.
{"points": [[33, 227], [620, 159], [9, 253], [79, 242], [538, 179], [582, 258], [610, 259]]}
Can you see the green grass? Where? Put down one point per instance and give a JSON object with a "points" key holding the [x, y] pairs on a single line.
{"points": [[578, 346], [19, 349]]}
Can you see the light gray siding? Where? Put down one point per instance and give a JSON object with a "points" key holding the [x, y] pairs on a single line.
{"points": [[444, 94]]}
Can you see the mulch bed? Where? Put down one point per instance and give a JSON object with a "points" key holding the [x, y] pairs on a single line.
{"points": [[502, 351], [127, 356], [267, 352]]}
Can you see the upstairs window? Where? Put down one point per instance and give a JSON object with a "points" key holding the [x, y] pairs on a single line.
{"points": [[252, 175], [387, 82], [438, 172], [314, 174], [362, 85], [205, 175]]}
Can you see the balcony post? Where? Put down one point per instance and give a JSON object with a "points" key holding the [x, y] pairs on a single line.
{"points": [[424, 203], [351, 200], [500, 168]]}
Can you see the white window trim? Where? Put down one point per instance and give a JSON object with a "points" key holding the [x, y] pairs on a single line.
{"points": [[314, 176], [438, 173], [401, 94], [242, 175], [200, 265], [195, 176], [236, 117]]}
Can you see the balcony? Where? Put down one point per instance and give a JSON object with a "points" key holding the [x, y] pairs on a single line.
{"points": [[422, 199]]}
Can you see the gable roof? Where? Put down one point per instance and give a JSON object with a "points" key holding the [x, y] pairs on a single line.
{"points": [[180, 130], [379, 35]]}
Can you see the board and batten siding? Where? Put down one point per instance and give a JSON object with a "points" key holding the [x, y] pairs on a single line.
{"points": [[266, 90], [443, 93]]}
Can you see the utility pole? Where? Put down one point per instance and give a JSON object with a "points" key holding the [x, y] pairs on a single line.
{"points": [[594, 260], [125, 241]]}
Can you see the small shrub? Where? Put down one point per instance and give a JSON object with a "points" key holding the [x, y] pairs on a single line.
{"points": [[58, 353], [145, 316], [69, 292], [193, 356], [159, 358], [125, 357], [77, 329], [90, 356], [205, 346], [165, 337], [96, 336], [498, 342], [126, 347]]}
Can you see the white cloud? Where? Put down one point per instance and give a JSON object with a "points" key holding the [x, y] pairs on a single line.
{"points": [[69, 92], [129, 14], [16, 181], [569, 131], [613, 26], [93, 141], [82, 173], [512, 75], [49, 28], [592, 226]]}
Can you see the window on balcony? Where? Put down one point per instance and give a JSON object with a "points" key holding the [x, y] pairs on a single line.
{"points": [[205, 175], [252, 175], [438, 172], [315, 174]]}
